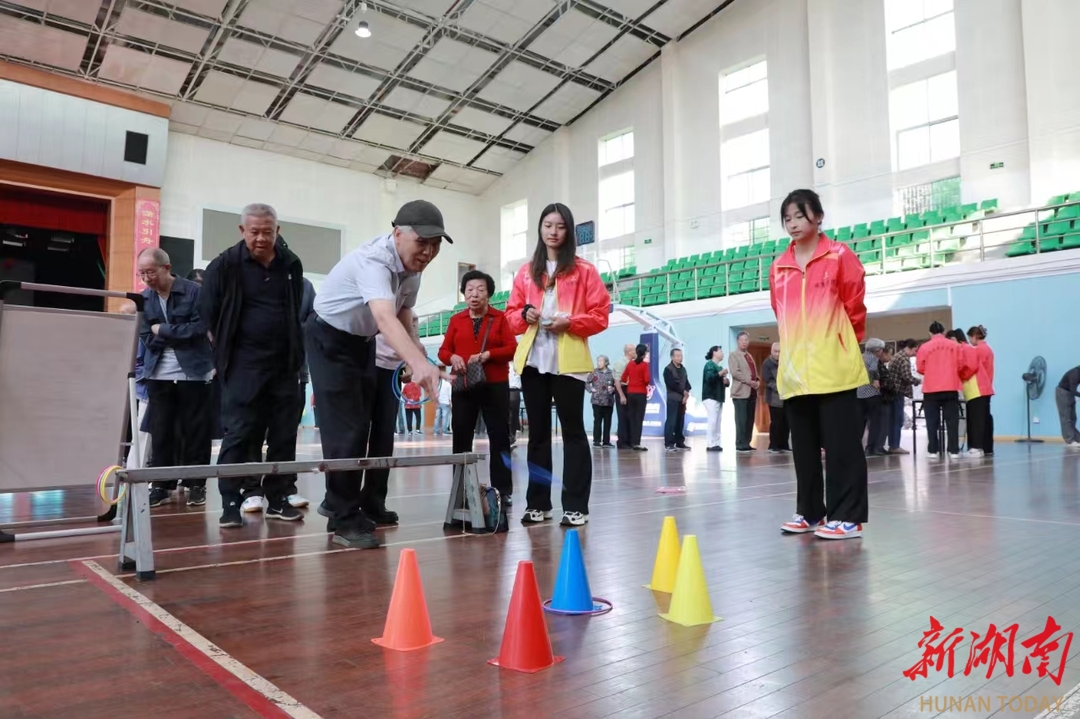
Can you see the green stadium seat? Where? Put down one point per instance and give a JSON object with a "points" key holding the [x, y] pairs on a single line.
{"points": [[913, 221], [1071, 242], [877, 227], [988, 205], [895, 224], [969, 209], [860, 231], [1068, 213], [1057, 199], [843, 233], [1056, 229], [1050, 244], [1020, 247]]}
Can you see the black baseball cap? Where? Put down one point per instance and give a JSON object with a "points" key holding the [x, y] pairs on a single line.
{"points": [[424, 218]]}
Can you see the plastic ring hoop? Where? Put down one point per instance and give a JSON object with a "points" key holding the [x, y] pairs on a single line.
{"points": [[600, 606], [103, 479], [395, 383]]}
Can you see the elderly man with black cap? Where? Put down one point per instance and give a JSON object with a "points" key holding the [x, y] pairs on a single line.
{"points": [[370, 292]]}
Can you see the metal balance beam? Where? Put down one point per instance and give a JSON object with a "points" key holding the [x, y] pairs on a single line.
{"points": [[136, 543]]}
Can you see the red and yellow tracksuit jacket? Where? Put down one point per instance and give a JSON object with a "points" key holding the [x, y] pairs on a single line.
{"points": [[821, 315]]}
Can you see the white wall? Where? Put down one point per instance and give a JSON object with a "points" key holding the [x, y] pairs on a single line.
{"points": [[1051, 59], [829, 99], [201, 173]]}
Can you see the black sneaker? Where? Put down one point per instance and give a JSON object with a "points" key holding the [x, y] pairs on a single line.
{"points": [[382, 516], [159, 496], [324, 510], [356, 538], [196, 496], [230, 516], [284, 511]]}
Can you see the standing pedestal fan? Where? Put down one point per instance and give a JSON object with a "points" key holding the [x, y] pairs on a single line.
{"points": [[1034, 382]]}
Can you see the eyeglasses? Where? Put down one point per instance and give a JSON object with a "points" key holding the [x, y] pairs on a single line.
{"points": [[149, 273]]}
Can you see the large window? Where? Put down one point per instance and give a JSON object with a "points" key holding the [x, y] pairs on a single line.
{"points": [[515, 235], [935, 195], [617, 205], [744, 93], [918, 30], [925, 122], [617, 149], [747, 233], [745, 163]]}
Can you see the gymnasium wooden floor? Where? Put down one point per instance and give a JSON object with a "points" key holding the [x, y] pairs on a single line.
{"points": [[810, 628]]}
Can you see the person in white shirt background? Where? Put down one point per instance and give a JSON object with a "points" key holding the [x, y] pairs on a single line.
{"points": [[442, 411]]}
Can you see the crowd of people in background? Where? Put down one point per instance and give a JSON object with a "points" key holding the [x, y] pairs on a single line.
{"points": [[229, 353]]}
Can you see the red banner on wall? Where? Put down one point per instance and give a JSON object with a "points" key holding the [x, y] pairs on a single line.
{"points": [[147, 226]]}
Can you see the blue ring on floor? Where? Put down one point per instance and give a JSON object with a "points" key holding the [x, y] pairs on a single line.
{"points": [[600, 606]]}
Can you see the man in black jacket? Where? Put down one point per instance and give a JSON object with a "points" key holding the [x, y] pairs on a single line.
{"points": [[678, 392], [177, 369], [251, 300]]}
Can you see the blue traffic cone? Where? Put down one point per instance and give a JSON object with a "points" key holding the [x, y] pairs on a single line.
{"points": [[572, 594]]}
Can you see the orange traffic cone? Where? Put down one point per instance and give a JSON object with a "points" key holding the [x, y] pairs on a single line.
{"points": [[525, 646], [408, 626]]}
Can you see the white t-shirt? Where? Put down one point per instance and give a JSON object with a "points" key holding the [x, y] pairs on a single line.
{"points": [[544, 355], [444, 392], [168, 367]]}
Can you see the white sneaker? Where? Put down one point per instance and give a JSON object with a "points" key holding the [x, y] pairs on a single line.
{"points": [[954, 456], [1074, 445], [574, 519], [535, 516], [974, 453], [296, 500], [254, 504]]}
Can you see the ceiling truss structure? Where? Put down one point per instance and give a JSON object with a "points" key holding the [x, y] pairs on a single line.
{"points": [[449, 92]]}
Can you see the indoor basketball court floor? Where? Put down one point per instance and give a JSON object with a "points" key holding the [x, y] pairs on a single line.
{"points": [[274, 620]]}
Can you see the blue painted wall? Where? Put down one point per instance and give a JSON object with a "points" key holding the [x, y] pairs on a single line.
{"points": [[1024, 318]]}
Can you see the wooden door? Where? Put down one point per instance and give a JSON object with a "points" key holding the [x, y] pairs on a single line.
{"points": [[760, 352]]}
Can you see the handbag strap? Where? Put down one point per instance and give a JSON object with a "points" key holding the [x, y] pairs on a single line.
{"points": [[483, 343]]}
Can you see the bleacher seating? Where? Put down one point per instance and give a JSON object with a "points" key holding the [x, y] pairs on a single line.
{"points": [[896, 244]]}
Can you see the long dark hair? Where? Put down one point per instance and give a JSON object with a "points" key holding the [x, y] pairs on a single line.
{"points": [[640, 351], [567, 252], [978, 332]]}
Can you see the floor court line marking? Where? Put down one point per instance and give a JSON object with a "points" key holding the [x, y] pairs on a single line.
{"points": [[254, 691], [974, 516], [42, 586], [537, 526], [940, 470], [1070, 706]]}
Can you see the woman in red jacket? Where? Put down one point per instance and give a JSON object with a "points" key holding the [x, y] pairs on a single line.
{"points": [[941, 363], [558, 301], [481, 335], [817, 290], [980, 421], [637, 377]]}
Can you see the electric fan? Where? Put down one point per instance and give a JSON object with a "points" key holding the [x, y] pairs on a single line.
{"points": [[1034, 382]]}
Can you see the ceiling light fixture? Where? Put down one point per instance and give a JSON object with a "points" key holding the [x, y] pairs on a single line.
{"points": [[363, 29]]}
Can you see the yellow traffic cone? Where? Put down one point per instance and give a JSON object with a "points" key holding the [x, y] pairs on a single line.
{"points": [[690, 605], [667, 558]]}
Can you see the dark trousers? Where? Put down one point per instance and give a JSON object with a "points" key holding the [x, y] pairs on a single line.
{"points": [[778, 428], [831, 422], [515, 412], [412, 414], [873, 417], [988, 438], [257, 404], [936, 405], [290, 479], [601, 423], [744, 422], [894, 413], [673, 425], [623, 429], [492, 401], [343, 376], [380, 443], [635, 418], [978, 421], [569, 397], [180, 427]]}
